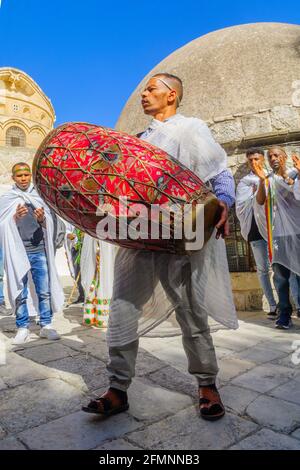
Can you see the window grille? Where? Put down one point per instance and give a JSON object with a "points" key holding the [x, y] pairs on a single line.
{"points": [[15, 137]]}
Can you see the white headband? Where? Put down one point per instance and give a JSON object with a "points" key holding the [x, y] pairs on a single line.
{"points": [[170, 88]]}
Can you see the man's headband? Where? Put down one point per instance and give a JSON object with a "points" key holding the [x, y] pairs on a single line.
{"points": [[21, 169], [170, 88]]}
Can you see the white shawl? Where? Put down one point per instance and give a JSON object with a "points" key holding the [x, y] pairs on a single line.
{"points": [[286, 222], [246, 206], [16, 262]]}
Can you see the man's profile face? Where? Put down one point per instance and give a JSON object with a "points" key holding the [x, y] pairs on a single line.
{"points": [[154, 96], [255, 158], [277, 159], [22, 177]]}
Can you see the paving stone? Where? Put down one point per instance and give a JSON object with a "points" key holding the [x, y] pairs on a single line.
{"points": [[233, 342], [264, 378], [260, 332], [117, 444], [151, 402], [147, 363], [230, 367], [265, 439], [223, 352], [97, 333], [274, 413], [287, 361], [186, 431], [289, 391], [91, 370], [32, 404], [296, 434], [78, 431], [279, 343], [2, 433], [65, 327], [18, 371], [260, 355], [2, 384], [48, 352], [172, 355], [237, 399], [11, 443], [97, 350], [172, 379], [78, 341], [154, 344]]}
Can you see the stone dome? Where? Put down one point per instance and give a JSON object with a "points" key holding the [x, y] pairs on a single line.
{"points": [[238, 71]]}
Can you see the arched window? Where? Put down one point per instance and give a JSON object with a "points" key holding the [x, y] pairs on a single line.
{"points": [[15, 137]]}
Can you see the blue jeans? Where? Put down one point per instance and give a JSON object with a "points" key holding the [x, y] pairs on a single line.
{"points": [[1, 278], [295, 289], [260, 253], [282, 285], [40, 277]]}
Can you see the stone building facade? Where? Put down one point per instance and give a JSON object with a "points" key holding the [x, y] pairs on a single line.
{"points": [[244, 81], [26, 117]]}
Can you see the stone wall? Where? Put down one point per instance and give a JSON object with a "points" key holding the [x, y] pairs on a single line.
{"points": [[236, 128], [8, 157]]}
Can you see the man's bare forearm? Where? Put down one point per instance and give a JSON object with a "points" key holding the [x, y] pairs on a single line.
{"points": [[261, 193]]}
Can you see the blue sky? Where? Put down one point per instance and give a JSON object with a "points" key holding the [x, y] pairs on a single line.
{"points": [[88, 56]]}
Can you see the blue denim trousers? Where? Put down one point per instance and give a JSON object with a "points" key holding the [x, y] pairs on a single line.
{"points": [[295, 289], [40, 277], [260, 253], [282, 285], [1, 278]]}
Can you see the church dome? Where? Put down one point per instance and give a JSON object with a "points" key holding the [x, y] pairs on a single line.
{"points": [[241, 80]]}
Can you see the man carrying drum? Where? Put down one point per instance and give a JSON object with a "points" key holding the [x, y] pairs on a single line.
{"points": [[155, 283]]}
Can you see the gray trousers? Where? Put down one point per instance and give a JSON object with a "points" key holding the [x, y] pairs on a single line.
{"points": [[196, 339]]}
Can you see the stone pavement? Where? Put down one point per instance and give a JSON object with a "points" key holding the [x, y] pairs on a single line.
{"points": [[43, 385]]}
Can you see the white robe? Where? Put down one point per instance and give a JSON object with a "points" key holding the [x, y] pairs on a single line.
{"points": [[286, 223], [138, 292], [88, 265], [16, 262], [246, 206], [297, 188]]}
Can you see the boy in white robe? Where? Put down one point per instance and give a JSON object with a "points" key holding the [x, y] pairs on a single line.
{"points": [[26, 239]]}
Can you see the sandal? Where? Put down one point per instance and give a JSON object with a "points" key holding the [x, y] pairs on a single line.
{"points": [[108, 404], [210, 404]]}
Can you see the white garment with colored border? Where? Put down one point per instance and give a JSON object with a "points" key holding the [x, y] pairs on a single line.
{"points": [[286, 222], [88, 265]]}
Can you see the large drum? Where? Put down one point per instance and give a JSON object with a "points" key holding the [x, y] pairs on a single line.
{"points": [[90, 174]]}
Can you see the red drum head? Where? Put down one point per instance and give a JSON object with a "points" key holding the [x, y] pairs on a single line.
{"points": [[81, 167]]}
